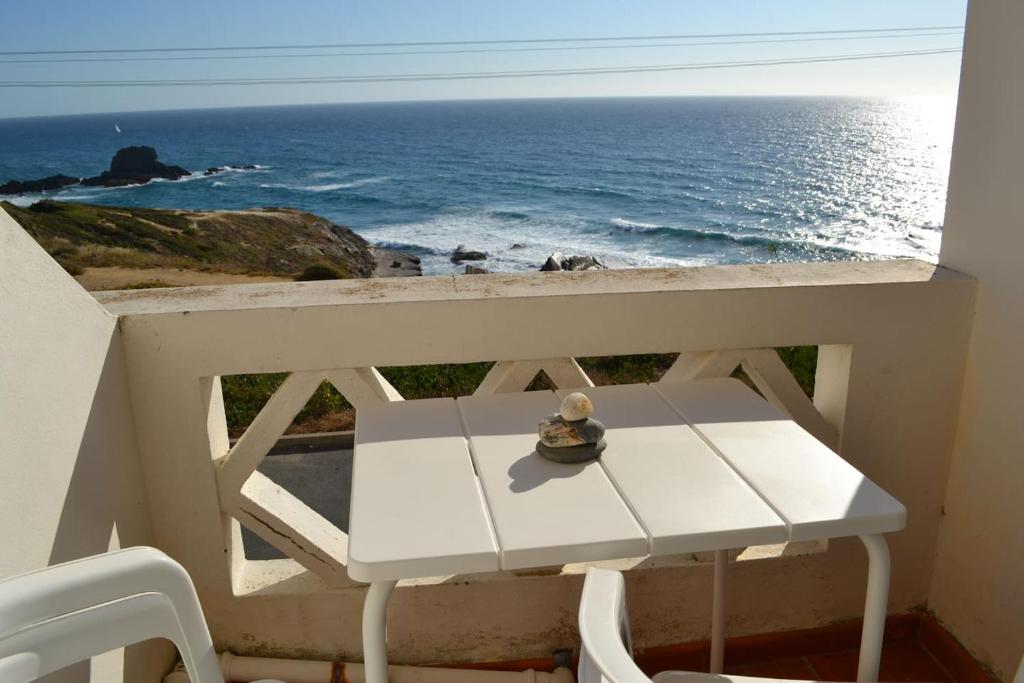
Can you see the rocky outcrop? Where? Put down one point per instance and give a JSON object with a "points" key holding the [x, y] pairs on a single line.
{"points": [[475, 270], [393, 263], [268, 241], [559, 262], [135, 166], [130, 166], [462, 254], [53, 182]]}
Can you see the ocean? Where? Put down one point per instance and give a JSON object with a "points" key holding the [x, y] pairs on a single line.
{"points": [[636, 182]]}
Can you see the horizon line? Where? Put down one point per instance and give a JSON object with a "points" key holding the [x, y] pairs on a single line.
{"points": [[951, 96]]}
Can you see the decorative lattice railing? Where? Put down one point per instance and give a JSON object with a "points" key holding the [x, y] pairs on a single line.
{"points": [[287, 523]]}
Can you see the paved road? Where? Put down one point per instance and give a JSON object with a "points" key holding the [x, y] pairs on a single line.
{"points": [[321, 479]]}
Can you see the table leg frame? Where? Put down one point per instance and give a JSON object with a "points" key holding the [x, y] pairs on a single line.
{"points": [[718, 612], [875, 604], [375, 631], [375, 608]]}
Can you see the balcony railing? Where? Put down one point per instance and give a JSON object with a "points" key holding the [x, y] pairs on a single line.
{"points": [[891, 339]]}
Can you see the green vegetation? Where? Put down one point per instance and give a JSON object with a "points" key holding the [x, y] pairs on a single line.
{"points": [[320, 271], [327, 410], [257, 242], [146, 284], [802, 361]]}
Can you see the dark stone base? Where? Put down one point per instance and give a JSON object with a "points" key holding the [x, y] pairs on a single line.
{"points": [[572, 454]]}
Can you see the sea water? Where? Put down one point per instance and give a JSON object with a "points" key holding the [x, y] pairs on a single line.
{"points": [[634, 182]]}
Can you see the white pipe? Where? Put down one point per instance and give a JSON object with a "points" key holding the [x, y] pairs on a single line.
{"points": [[718, 612], [246, 669]]}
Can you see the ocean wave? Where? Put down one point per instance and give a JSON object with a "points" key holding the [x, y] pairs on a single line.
{"points": [[627, 226], [250, 168], [330, 187], [510, 215], [634, 226], [409, 246], [703, 234], [194, 175], [327, 187]]}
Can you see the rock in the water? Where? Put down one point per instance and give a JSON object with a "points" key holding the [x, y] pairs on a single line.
{"points": [[476, 270], [551, 265], [557, 432], [54, 182], [135, 166], [462, 254], [558, 262], [518, 245], [576, 406], [582, 263]]}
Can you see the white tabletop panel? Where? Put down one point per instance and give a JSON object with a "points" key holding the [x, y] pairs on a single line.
{"points": [[684, 494], [816, 492], [417, 508], [450, 487], [544, 513]]}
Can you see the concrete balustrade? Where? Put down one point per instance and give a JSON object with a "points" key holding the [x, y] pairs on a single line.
{"points": [[892, 339]]}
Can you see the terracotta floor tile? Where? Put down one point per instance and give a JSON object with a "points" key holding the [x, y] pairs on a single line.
{"points": [[680, 661], [901, 662], [795, 668]]}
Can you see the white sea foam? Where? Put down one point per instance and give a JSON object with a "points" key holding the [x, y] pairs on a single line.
{"points": [[327, 187], [633, 226], [511, 244]]}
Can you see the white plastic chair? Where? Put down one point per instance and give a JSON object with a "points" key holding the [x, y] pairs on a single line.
{"points": [[606, 655], [60, 615]]}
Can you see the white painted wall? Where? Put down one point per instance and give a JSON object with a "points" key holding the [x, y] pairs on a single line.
{"points": [[70, 482], [978, 583]]}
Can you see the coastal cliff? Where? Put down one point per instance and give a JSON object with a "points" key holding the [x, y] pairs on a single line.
{"points": [[115, 247]]}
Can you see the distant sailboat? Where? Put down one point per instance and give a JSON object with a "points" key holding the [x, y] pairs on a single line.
{"points": [[117, 128]]}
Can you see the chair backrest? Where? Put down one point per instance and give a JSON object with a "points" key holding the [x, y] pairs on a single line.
{"points": [[607, 651], [606, 655], [60, 615]]}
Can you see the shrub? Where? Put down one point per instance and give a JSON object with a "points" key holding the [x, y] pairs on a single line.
{"points": [[147, 284], [46, 206], [320, 271], [71, 267]]}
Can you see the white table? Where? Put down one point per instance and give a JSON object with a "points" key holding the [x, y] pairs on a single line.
{"points": [[444, 486]]}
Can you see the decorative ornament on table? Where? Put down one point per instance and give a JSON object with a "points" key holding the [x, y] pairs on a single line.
{"points": [[571, 435]]}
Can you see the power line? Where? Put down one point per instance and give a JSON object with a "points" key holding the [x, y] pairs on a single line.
{"points": [[81, 60], [309, 80], [439, 43]]}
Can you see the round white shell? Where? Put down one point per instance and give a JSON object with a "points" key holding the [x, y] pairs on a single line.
{"points": [[576, 406]]}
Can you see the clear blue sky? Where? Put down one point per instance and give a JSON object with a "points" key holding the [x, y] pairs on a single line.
{"points": [[74, 24]]}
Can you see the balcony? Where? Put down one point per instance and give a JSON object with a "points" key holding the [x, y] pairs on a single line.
{"points": [[145, 378]]}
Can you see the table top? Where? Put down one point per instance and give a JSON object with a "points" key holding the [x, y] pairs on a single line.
{"points": [[445, 486]]}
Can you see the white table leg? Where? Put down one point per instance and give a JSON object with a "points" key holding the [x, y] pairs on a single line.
{"points": [[718, 612], [375, 631], [874, 607]]}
